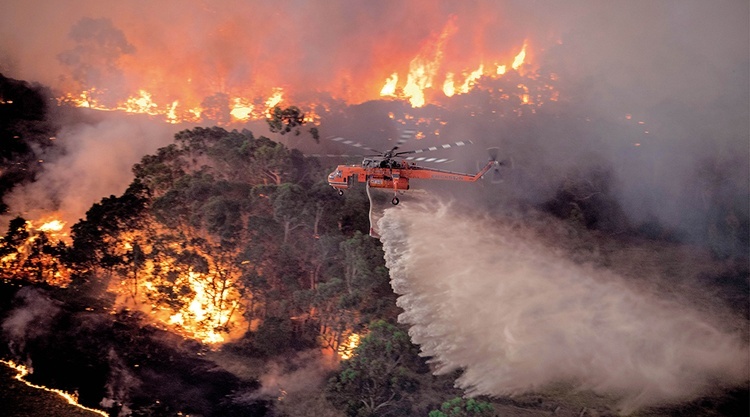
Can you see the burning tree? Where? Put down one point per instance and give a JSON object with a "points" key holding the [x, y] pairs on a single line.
{"points": [[222, 238], [27, 253], [220, 232]]}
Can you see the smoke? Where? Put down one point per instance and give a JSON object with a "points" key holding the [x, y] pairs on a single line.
{"points": [[237, 44], [502, 302], [32, 318], [120, 384], [93, 160], [297, 376], [93, 61], [657, 91]]}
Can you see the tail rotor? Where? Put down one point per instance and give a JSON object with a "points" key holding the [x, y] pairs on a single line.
{"points": [[495, 176]]}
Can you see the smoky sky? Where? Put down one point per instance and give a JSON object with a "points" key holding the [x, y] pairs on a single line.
{"points": [[663, 47], [675, 73], [668, 78]]}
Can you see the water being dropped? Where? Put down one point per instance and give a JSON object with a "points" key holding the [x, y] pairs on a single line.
{"points": [[490, 297]]}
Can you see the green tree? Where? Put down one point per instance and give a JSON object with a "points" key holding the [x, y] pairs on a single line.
{"points": [[462, 407], [290, 208], [272, 162], [158, 172], [358, 262], [378, 378]]}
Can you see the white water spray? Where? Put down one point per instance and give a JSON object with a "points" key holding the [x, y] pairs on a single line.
{"points": [[489, 297]]}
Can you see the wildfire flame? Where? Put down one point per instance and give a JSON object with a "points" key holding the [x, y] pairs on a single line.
{"points": [[425, 67], [198, 312], [389, 89], [52, 226], [188, 93], [72, 399], [46, 267], [346, 349], [175, 111], [201, 309], [519, 59], [179, 95], [203, 306]]}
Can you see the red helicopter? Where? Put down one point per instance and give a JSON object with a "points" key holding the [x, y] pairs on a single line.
{"points": [[383, 171]]}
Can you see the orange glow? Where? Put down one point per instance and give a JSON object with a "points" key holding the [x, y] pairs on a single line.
{"points": [[274, 100], [43, 266], [72, 399], [141, 104], [205, 306], [242, 109], [389, 89], [346, 350], [429, 65], [201, 309], [471, 79], [436, 65], [519, 59], [175, 111], [525, 98], [423, 68], [52, 226], [449, 88]]}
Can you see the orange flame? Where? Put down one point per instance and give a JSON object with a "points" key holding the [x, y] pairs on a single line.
{"points": [[389, 89], [72, 399], [52, 226], [205, 306], [190, 93], [519, 59], [44, 267], [346, 350]]}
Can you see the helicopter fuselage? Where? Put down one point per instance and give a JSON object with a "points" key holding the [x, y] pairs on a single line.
{"points": [[395, 175]]}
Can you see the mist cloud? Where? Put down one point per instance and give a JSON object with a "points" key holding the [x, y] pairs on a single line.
{"points": [[516, 314]]}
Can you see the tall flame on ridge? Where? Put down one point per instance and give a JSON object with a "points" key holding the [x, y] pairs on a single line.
{"points": [[242, 70]]}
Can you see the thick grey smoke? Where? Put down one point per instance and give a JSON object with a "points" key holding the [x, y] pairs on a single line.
{"points": [[497, 299]]}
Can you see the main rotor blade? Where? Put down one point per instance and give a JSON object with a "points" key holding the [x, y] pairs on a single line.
{"points": [[425, 159], [353, 143], [435, 148], [404, 137], [337, 155]]}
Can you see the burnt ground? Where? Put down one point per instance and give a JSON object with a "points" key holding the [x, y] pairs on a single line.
{"points": [[20, 400]]}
